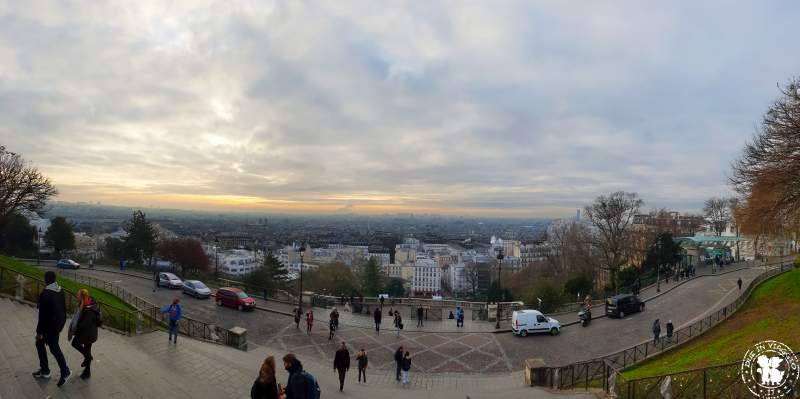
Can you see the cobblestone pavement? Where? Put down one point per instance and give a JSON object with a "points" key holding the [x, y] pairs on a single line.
{"points": [[433, 352]]}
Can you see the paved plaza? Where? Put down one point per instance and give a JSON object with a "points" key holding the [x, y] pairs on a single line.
{"points": [[146, 366]]}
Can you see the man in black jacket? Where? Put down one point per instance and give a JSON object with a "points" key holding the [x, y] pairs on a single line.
{"points": [[52, 316], [398, 359], [341, 363], [300, 385], [378, 316]]}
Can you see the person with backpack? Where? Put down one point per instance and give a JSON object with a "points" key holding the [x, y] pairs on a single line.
{"points": [[175, 314], [84, 329], [52, 317], [377, 316], [301, 384], [361, 357], [309, 320], [406, 368], [341, 363], [266, 386], [398, 359]]}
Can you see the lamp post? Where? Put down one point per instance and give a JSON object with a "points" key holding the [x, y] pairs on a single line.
{"points": [[302, 250], [216, 258], [39, 246], [658, 267], [500, 257]]}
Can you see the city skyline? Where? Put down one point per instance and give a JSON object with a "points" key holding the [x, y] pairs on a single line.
{"points": [[516, 110]]}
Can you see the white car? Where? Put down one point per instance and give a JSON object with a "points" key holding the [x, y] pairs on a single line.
{"points": [[524, 322], [169, 280]]}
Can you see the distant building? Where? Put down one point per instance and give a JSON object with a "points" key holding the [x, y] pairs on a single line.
{"points": [[235, 240], [427, 277], [236, 262]]}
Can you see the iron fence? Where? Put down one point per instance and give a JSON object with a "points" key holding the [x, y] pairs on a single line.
{"points": [[145, 318], [635, 354], [723, 381]]}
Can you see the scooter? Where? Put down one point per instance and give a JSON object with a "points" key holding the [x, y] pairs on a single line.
{"points": [[586, 317]]}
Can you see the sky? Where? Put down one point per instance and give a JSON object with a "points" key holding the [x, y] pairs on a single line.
{"points": [[482, 108]]}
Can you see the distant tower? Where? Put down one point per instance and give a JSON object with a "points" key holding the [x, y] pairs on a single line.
{"points": [[578, 215]]}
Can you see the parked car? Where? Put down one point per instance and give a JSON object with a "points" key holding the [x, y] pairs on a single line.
{"points": [[68, 264], [196, 289], [169, 280], [235, 298], [524, 322], [622, 304]]}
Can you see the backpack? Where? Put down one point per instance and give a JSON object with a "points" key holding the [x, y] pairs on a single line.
{"points": [[312, 390]]}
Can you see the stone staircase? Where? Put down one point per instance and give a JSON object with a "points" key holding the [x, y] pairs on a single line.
{"points": [[120, 369]]}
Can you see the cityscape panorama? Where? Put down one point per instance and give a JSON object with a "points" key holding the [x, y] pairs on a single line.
{"points": [[409, 199]]}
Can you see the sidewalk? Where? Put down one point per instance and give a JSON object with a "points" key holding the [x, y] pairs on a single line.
{"points": [[147, 366]]}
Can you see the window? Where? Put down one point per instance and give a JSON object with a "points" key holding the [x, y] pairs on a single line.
{"points": [[540, 319]]}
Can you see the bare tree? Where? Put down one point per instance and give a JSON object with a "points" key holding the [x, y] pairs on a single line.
{"points": [[770, 163], [472, 275], [22, 188], [718, 213], [612, 218]]}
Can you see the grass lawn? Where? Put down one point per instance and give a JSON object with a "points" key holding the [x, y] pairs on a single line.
{"points": [[771, 313], [70, 285]]}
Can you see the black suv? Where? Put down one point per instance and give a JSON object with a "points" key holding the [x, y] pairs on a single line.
{"points": [[622, 304]]}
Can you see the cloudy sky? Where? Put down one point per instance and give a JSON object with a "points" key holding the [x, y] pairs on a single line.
{"points": [[478, 108]]}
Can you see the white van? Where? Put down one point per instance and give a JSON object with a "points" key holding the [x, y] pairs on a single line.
{"points": [[528, 321]]}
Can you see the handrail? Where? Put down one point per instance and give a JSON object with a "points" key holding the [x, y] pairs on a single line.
{"points": [[635, 354]]}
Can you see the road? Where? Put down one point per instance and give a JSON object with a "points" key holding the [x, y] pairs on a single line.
{"points": [[469, 352]]}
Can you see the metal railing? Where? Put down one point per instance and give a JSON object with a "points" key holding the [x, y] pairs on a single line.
{"points": [[630, 356], [723, 381], [145, 318]]}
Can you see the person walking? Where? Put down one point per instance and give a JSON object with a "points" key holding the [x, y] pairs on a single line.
{"points": [[175, 314], [459, 317], [83, 329], [656, 331], [398, 359], [341, 363], [406, 368], [52, 317], [420, 312], [265, 386], [297, 315], [309, 321], [739, 283], [670, 329], [331, 325], [377, 316], [361, 357], [301, 384], [398, 323]]}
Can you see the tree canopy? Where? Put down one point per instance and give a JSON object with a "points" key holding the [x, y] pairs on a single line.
{"points": [[22, 187], [371, 279], [59, 235], [141, 241]]}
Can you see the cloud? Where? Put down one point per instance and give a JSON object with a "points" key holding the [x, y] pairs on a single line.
{"points": [[513, 108]]}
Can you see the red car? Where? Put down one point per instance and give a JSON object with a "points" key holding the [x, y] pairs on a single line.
{"points": [[235, 298]]}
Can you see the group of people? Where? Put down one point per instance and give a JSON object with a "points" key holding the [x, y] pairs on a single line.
{"points": [[303, 385], [82, 330], [459, 316], [657, 332]]}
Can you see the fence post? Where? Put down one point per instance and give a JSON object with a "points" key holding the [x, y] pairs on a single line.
{"points": [[704, 383]]}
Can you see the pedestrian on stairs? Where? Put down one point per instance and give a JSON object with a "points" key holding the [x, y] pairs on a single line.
{"points": [[52, 317], [83, 329], [175, 314]]}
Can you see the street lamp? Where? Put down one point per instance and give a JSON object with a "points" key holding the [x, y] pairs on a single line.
{"points": [[39, 246], [302, 250], [500, 257], [658, 267], [216, 258]]}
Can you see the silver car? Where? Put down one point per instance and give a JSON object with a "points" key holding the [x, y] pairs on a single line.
{"points": [[169, 280], [196, 289]]}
